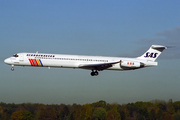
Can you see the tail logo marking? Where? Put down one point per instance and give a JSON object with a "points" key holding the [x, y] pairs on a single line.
{"points": [[151, 55]]}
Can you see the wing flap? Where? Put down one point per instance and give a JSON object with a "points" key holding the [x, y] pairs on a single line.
{"points": [[99, 67]]}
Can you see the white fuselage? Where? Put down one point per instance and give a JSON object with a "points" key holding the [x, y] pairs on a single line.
{"points": [[94, 63], [73, 61]]}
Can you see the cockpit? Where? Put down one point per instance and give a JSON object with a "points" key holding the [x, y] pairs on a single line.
{"points": [[15, 55]]}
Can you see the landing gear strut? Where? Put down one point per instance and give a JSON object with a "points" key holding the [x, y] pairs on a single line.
{"points": [[94, 73], [12, 68]]}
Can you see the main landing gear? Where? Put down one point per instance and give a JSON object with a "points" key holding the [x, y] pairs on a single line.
{"points": [[94, 73], [12, 67]]}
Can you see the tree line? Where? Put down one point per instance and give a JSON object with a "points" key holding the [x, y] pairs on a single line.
{"points": [[101, 110]]}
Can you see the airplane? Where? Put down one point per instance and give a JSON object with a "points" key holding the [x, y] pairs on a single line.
{"points": [[93, 63]]}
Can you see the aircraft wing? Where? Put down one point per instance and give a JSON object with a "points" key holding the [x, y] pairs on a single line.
{"points": [[99, 66]]}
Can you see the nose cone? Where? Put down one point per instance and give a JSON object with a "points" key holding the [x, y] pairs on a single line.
{"points": [[7, 61]]}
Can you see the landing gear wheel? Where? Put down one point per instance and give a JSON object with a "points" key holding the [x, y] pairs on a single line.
{"points": [[94, 73], [12, 68]]}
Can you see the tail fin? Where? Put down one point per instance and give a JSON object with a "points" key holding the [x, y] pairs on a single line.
{"points": [[153, 53]]}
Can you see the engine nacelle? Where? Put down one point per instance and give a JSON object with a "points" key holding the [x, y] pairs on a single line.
{"points": [[128, 65]]}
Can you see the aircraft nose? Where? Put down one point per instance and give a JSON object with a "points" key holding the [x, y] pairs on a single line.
{"points": [[7, 61]]}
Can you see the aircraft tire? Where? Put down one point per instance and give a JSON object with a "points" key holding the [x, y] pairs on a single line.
{"points": [[96, 73], [12, 68], [92, 73]]}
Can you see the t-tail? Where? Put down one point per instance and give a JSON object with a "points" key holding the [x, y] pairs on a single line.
{"points": [[153, 53]]}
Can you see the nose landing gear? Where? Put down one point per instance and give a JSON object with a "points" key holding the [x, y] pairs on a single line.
{"points": [[12, 67], [94, 73]]}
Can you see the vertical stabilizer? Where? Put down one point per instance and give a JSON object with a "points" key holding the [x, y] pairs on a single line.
{"points": [[153, 53]]}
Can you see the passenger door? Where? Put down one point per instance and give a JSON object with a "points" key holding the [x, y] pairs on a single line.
{"points": [[21, 57]]}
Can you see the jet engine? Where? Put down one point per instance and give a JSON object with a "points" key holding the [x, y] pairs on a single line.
{"points": [[130, 65]]}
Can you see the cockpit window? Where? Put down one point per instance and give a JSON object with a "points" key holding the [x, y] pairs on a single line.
{"points": [[15, 55]]}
